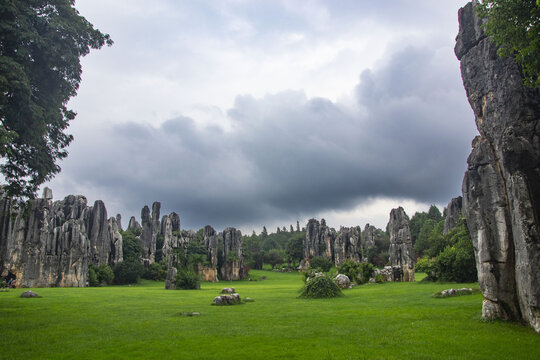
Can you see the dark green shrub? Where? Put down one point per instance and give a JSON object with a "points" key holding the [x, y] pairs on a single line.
{"points": [[320, 263], [100, 275], [128, 272], [187, 279], [320, 287], [156, 271], [427, 265], [349, 268], [92, 276], [366, 271], [105, 274]]}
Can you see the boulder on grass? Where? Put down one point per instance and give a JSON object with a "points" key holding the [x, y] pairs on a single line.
{"points": [[29, 294], [342, 281], [228, 290], [232, 299]]}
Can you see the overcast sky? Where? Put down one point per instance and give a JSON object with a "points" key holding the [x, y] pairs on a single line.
{"points": [[249, 113]]}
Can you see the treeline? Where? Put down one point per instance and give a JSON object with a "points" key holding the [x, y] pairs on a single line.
{"points": [[283, 246], [443, 257]]}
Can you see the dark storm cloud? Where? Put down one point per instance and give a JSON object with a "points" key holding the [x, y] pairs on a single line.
{"points": [[289, 155]]}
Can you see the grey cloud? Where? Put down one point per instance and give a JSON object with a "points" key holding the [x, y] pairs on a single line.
{"points": [[289, 155]]}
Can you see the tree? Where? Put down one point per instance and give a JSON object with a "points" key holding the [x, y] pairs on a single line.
{"points": [[273, 258], [295, 249], [41, 43], [514, 25]]}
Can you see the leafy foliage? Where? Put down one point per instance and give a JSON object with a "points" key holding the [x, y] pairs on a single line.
{"points": [[294, 250], [320, 263], [366, 271], [187, 279], [273, 257], [156, 271], [349, 268], [41, 42], [320, 287], [514, 25], [455, 262], [128, 272]]}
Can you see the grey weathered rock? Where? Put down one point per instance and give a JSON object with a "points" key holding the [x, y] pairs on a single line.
{"points": [[150, 229], [453, 213], [501, 188], [231, 299], [369, 235], [342, 281], [389, 273], [319, 241], [134, 225], [29, 294], [401, 250], [347, 245], [170, 281], [119, 221], [228, 290], [97, 226], [232, 255], [47, 194], [456, 292], [55, 242], [116, 253]]}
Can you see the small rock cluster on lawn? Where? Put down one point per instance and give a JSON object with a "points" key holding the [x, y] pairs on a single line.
{"points": [[190, 313], [455, 292], [29, 294], [229, 297]]}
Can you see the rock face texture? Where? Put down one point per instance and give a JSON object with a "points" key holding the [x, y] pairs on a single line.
{"points": [[150, 229], [453, 212], [225, 255], [324, 241], [134, 225], [232, 267], [501, 188], [401, 248], [347, 245], [52, 244]]}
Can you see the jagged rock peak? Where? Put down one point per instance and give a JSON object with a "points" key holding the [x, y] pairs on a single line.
{"points": [[134, 225], [401, 250], [452, 214]]}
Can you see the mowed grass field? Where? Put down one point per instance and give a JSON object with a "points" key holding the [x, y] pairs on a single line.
{"points": [[375, 321]]}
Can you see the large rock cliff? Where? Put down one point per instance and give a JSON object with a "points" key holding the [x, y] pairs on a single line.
{"points": [[401, 249], [501, 188], [52, 243]]}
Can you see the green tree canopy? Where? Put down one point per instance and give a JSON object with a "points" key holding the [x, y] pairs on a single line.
{"points": [[514, 25], [41, 42]]}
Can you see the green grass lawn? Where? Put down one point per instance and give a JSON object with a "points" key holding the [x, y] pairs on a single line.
{"points": [[375, 321]]}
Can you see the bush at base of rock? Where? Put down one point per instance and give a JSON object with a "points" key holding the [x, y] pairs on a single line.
{"points": [[366, 271], [349, 268], [187, 280], [320, 263], [128, 272], [319, 287]]}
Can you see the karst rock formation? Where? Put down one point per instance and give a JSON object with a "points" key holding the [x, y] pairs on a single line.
{"points": [[401, 249], [52, 243], [349, 243], [501, 188]]}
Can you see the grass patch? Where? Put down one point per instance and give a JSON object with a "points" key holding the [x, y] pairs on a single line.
{"points": [[373, 321]]}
